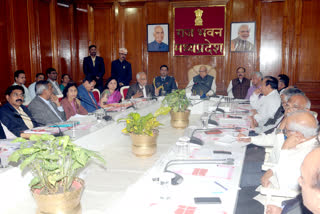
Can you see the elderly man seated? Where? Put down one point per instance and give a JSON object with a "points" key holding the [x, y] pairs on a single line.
{"points": [[309, 182], [257, 78], [202, 84], [266, 107], [45, 107], [15, 116], [301, 131], [140, 89]]}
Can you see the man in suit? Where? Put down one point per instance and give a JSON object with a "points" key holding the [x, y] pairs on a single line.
{"points": [[158, 44], [140, 89], [52, 75], [45, 107], [93, 65], [164, 84], [85, 94], [121, 69], [15, 116], [309, 181]]}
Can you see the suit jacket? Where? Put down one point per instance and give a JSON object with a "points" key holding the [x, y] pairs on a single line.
{"points": [[134, 88], [121, 71], [97, 70], [43, 114], [68, 109], [295, 206], [89, 103], [168, 84], [10, 117]]}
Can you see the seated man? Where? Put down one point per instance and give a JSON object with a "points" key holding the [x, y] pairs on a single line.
{"points": [[309, 182], [15, 116], [267, 105], [85, 94], [202, 84], [164, 84], [32, 86], [301, 131], [20, 79], [140, 89], [283, 82], [45, 107], [238, 87], [257, 78], [52, 75]]}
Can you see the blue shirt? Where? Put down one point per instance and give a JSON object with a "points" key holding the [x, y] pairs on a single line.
{"points": [[155, 46], [87, 99]]}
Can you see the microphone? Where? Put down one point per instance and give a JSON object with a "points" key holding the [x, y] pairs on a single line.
{"points": [[194, 139], [87, 102], [106, 117]]}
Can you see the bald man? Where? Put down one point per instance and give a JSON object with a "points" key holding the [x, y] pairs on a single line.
{"points": [[241, 43], [202, 84], [301, 131], [309, 182], [158, 44]]}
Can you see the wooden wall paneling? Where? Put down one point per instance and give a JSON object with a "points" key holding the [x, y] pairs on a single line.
{"points": [[5, 53], [243, 11], [104, 34], [53, 30], [11, 41], [81, 38], [157, 12], [227, 58], [20, 14], [73, 45], [64, 28], [132, 28], [271, 38], [45, 35]]}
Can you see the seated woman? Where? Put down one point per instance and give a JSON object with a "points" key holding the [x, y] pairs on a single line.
{"points": [[70, 103], [65, 79], [111, 94]]}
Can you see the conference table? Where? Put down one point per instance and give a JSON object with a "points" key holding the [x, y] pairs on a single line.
{"points": [[128, 184]]}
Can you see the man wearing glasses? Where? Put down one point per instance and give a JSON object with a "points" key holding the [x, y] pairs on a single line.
{"points": [[121, 69]]}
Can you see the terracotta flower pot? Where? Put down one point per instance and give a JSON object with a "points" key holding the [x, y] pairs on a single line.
{"points": [[61, 203], [144, 145], [180, 120]]}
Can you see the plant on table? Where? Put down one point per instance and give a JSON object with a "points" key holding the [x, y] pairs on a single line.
{"points": [[177, 100], [144, 125], [54, 161]]}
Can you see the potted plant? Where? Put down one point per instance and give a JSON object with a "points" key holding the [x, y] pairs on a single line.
{"points": [[179, 103], [54, 162], [143, 131]]}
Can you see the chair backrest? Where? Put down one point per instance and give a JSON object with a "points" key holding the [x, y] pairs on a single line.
{"points": [[124, 91], [96, 94], [194, 71]]}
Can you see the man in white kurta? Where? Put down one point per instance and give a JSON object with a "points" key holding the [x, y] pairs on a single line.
{"points": [[301, 131], [267, 105]]}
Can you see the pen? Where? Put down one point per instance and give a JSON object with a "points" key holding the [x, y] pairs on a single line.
{"points": [[220, 185]]}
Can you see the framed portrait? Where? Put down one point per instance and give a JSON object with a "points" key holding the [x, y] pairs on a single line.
{"points": [[243, 36], [158, 37]]}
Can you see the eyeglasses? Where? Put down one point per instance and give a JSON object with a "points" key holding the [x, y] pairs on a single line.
{"points": [[286, 131]]}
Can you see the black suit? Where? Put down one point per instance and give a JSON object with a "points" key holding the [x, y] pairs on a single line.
{"points": [[97, 71], [294, 206], [135, 88], [12, 120]]}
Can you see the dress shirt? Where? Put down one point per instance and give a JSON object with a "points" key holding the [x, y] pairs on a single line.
{"points": [[60, 108], [27, 97], [26, 119], [56, 87], [143, 89], [267, 106], [32, 90], [287, 171], [93, 61], [210, 93], [250, 91]]}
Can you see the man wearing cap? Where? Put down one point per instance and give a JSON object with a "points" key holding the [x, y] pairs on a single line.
{"points": [[93, 66], [121, 69]]}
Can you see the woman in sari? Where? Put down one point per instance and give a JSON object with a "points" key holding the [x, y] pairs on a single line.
{"points": [[70, 103], [111, 94]]}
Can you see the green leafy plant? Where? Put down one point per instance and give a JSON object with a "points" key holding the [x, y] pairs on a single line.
{"points": [[177, 100], [143, 125], [54, 161]]}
